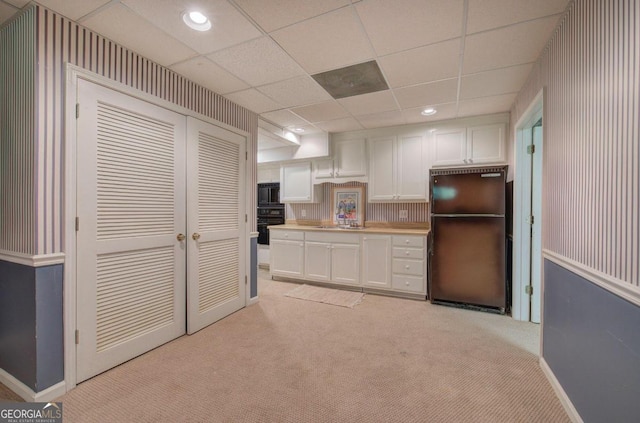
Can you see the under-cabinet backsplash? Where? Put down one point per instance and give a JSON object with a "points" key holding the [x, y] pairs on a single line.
{"points": [[375, 212]]}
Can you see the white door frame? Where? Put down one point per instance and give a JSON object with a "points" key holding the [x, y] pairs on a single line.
{"points": [[522, 204], [73, 74]]}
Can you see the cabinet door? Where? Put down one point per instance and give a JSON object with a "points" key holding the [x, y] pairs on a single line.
{"points": [[485, 144], [351, 159], [323, 168], [317, 258], [287, 258], [345, 263], [411, 169], [449, 147], [295, 182], [381, 169], [376, 261]]}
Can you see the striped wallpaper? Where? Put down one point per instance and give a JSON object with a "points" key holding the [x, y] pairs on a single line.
{"points": [[58, 41], [590, 71], [17, 125], [376, 212]]}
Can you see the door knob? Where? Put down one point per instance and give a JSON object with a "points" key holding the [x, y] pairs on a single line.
{"points": [[181, 237], [195, 236]]}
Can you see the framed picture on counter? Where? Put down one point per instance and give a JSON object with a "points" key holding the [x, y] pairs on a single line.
{"points": [[348, 205]]}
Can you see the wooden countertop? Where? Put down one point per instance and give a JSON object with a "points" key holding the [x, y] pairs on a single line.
{"points": [[366, 230]]}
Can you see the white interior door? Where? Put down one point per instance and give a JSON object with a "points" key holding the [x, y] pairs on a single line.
{"points": [[216, 274], [130, 207], [536, 227]]}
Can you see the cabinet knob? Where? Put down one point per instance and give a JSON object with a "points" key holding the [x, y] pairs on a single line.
{"points": [[470, 160], [465, 160], [407, 252], [364, 239], [407, 283], [337, 174], [301, 244], [406, 266], [286, 235], [328, 247], [406, 241]]}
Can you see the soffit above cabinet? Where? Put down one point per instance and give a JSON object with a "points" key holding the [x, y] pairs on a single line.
{"points": [[261, 53]]}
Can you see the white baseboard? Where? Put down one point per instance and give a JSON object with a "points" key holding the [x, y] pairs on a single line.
{"points": [[253, 300], [27, 393], [562, 395]]}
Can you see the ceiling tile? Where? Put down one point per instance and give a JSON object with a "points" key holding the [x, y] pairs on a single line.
{"points": [[285, 118], [272, 16], [367, 104], [486, 105], [254, 100], [495, 82], [73, 9], [330, 41], [509, 46], [6, 12], [400, 25], [229, 26], [19, 3], [379, 120], [298, 91], [489, 14], [417, 66], [128, 29], [445, 111], [321, 112], [427, 94], [209, 75], [340, 125], [258, 62]]}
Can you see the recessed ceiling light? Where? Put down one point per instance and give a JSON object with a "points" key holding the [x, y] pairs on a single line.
{"points": [[298, 129], [429, 111], [196, 20]]}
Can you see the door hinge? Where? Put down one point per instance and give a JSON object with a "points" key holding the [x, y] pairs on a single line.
{"points": [[77, 224], [245, 279], [531, 149], [528, 290], [246, 155], [246, 218], [77, 336], [77, 110]]}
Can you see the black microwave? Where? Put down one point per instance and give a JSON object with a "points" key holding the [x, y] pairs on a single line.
{"points": [[268, 194]]}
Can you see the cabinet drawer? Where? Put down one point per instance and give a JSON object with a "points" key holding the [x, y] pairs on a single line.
{"points": [[333, 236], [408, 241], [408, 283], [408, 267], [290, 235], [410, 253]]}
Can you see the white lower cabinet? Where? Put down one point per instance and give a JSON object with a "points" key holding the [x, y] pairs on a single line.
{"points": [[408, 267], [392, 263], [332, 257], [376, 261], [287, 253]]}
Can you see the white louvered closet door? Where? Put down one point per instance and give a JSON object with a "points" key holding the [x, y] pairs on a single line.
{"points": [[216, 223], [131, 201]]}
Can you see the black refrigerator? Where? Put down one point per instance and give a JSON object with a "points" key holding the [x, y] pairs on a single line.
{"points": [[467, 260]]}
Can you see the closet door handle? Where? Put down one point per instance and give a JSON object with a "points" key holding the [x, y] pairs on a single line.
{"points": [[181, 237], [195, 236]]}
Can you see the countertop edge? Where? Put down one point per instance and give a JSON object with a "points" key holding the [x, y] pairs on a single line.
{"points": [[366, 230]]}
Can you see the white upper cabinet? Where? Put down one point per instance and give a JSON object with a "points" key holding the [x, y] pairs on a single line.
{"points": [[477, 145], [348, 163], [398, 168], [296, 184], [268, 174]]}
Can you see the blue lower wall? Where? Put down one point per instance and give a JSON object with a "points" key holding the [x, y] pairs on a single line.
{"points": [[253, 290], [591, 342], [31, 324]]}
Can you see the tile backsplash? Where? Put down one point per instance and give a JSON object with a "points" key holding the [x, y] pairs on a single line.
{"points": [[376, 212]]}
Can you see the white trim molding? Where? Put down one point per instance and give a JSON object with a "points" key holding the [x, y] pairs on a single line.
{"points": [[27, 393], [617, 287], [560, 393], [31, 260]]}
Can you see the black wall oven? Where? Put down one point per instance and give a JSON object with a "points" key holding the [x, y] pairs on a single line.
{"points": [[269, 194], [270, 210]]}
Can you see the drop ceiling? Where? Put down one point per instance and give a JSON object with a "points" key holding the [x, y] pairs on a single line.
{"points": [[462, 57]]}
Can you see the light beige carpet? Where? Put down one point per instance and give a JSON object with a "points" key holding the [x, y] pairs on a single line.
{"points": [[280, 360], [338, 297]]}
